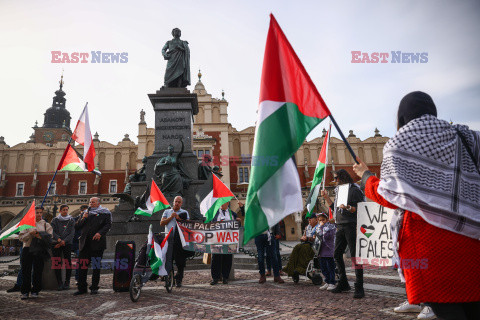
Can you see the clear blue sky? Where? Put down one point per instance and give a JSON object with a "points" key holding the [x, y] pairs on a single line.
{"points": [[227, 40]]}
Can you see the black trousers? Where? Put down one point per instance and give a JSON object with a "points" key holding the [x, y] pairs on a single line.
{"points": [[180, 260], [347, 235], [29, 261], [65, 254], [456, 311], [85, 259], [221, 266]]}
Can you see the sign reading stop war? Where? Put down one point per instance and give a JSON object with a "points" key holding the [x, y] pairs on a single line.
{"points": [[213, 237], [374, 237]]}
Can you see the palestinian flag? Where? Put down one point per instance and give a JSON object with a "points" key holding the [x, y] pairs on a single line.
{"points": [[367, 230], [290, 107], [318, 176], [73, 161], [155, 201], [155, 253], [82, 135], [24, 220], [211, 196]]}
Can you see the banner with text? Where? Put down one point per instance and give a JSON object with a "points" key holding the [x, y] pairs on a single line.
{"points": [[214, 237], [374, 236]]}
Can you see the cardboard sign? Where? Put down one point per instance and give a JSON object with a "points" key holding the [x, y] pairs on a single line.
{"points": [[342, 194], [374, 236]]}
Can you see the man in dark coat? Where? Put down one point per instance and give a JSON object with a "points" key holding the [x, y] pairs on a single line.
{"points": [[94, 226]]}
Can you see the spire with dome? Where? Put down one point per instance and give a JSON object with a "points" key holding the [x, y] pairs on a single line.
{"points": [[57, 116]]}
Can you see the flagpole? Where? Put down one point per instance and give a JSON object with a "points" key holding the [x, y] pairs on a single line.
{"points": [[326, 156], [343, 138], [54, 175]]}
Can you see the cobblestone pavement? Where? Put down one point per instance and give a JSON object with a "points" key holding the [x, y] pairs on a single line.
{"points": [[243, 298]]}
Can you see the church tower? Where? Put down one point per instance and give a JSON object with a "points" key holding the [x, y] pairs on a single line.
{"points": [[56, 124]]}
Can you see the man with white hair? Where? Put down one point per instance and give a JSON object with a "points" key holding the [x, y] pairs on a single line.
{"points": [[169, 218], [94, 225]]}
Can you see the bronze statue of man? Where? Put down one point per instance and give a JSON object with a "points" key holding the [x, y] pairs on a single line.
{"points": [[176, 51]]}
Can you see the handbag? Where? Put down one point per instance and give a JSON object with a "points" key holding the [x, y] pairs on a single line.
{"points": [[207, 258]]}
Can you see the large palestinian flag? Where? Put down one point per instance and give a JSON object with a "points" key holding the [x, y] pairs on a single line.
{"points": [[83, 135], [318, 176], [290, 107], [211, 196], [155, 201], [24, 220]]}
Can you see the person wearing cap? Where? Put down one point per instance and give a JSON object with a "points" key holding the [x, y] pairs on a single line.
{"points": [[302, 253], [326, 233]]}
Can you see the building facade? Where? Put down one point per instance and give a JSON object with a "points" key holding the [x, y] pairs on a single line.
{"points": [[27, 168]]}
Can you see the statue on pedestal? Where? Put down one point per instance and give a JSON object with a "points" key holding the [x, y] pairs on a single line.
{"points": [[176, 51], [173, 177]]}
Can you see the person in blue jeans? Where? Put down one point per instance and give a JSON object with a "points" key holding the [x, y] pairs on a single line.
{"points": [[265, 243]]}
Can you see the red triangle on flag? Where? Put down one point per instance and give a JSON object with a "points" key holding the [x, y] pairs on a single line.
{"points": [[323, 152], [156, 194], [29, 218], [220, 190], [330, 215]]}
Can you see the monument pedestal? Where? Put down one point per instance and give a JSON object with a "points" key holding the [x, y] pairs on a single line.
{"points": [[174, 109]]}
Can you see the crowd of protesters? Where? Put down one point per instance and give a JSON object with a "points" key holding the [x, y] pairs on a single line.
{"points": [[429, 175], [84, 236]]}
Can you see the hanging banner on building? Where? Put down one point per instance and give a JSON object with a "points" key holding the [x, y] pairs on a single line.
{"points": [[213, 237], [374, 237]]}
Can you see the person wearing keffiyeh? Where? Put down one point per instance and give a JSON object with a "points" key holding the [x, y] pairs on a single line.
{"points": [[430, 175]]}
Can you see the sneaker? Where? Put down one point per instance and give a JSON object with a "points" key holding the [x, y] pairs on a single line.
{"points": [[407, 307], [179, 284], [34, 295], [213, 282], [15, 288], [77, 293], [324, 287], [331, 287], [24, 296], [427, 313], [341, 286], [94, 291], [278, 279]]}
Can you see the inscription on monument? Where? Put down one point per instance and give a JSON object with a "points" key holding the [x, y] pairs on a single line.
{"points": [[172, 123]]}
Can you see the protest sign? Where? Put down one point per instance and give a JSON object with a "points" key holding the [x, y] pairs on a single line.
{"points": [[374, 236], [213, 237]]}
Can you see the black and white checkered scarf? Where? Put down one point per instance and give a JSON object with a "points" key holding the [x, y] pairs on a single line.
{"points": [[426, 169]]}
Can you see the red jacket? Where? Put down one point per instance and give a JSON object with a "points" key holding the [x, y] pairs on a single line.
{"points": [[451, 272]]}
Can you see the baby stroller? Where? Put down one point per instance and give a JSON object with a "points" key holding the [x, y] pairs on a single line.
{"points": [[142, 273], [314, 272]]}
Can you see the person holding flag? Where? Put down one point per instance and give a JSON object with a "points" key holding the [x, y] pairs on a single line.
{"points": [[346, 220], [36, 241], [169, 221]]}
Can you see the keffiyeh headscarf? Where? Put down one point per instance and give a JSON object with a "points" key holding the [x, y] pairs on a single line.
{"points": [[427, 169]]}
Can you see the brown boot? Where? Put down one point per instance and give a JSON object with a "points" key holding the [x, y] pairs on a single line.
{"points": [[278, 279], [262, 279]]}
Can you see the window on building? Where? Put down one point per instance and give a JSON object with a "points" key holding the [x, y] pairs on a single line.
{"points": [[200, 154], [82, 187], [195, 152], [243, 174], [20, 189], [113, 186], [53, 189]]}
